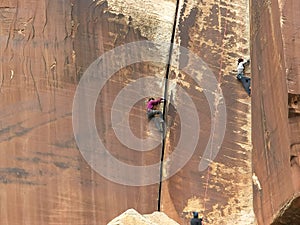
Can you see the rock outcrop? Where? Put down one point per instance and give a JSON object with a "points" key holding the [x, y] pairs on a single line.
{"points": [[132, 217]]}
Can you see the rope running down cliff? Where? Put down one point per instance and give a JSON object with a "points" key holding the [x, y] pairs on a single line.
{"points": [[164, 106]]}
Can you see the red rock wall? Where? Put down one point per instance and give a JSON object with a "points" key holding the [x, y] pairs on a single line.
{"points": [[291, 37], [46, 46], [274, 71], [217, 33]]}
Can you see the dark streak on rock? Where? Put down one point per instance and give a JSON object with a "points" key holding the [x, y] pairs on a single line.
{"points": [[87, 182], [66, 144], [34, 160], [4, 180], [17, 172], [61, 165], [22, 131], [50, 154], [184, 26], [4, 130], [46, 153], [30, 183]]}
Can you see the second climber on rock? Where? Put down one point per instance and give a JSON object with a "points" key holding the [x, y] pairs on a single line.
{"points": [[246, 81]]}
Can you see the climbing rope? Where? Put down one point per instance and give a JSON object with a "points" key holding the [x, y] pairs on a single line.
{"points": [[164, 106]]}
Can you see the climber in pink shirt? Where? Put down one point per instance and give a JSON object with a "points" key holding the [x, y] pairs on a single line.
{"points": [[151, 108]]}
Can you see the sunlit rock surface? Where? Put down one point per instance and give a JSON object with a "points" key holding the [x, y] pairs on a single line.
{"points": [[218, 34], [132, 217]]}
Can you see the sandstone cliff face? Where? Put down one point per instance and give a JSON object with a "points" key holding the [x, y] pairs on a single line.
{"points": [[47, 46], [218, 33], [275, 66]]}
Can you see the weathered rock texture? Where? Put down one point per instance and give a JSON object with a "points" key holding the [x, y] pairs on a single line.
{"points": [[45, 48], [218, 33], [276, 136]]}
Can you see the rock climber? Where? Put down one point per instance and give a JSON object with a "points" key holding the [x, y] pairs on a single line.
{"points": [[152, 110], [195, 220], [246, 81]]}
